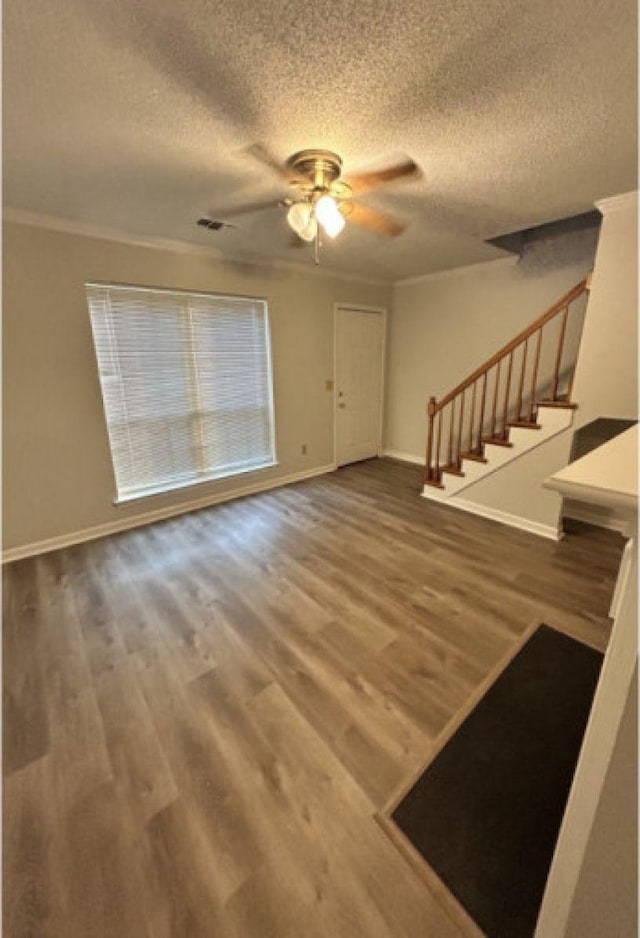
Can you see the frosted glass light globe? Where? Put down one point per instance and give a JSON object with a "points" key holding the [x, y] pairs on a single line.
{"points": [[299, 216], [329, 215], [326, 208], [334, 224]]}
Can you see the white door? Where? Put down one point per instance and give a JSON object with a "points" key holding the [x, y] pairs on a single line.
{"points": [[359, 344]]}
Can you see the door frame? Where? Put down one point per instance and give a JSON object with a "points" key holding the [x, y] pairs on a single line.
{"points": [[363, 308]]}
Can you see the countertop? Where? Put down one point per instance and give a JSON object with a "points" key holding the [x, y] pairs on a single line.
{"points": [[607, 475]]}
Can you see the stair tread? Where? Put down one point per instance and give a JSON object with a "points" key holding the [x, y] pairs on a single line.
{"points": [[432, 482], [453, 470], [524, 424], [496, 441], [476, 457], [568, 405]]}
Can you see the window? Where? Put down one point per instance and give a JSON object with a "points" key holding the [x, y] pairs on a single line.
{"points": [[186, 384]]}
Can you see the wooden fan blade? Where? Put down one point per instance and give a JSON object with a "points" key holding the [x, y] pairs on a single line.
{"points": [[375, 221], [246, 209], [259, 152], [367, 182]]}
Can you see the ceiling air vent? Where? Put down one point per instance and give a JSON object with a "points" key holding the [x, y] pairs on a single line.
{"points": [[211, 224]]}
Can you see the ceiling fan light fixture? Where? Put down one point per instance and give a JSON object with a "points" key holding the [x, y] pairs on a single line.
{"points": [[333, 223], [329, 215], [322, 199], [325, 207], [299, 216]]}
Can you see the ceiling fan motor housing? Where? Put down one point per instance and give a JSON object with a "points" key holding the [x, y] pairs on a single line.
{"points": [[321, 167]]}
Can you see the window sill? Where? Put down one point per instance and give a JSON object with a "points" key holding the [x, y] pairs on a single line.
{"points": [[192, 483]]}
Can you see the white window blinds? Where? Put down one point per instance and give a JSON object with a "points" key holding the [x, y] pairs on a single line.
{"points": [[186, 385]]}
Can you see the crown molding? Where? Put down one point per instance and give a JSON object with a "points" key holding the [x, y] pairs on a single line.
{"points": [[510, 261], [68, 226], [616, 203]]}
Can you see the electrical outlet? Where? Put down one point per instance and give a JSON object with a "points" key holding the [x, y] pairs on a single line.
{"points": [[303, 449]]}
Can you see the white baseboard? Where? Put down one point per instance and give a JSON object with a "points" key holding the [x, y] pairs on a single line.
{"points": [[403, 457], [590, 516], [494, 514], [160, 514]]}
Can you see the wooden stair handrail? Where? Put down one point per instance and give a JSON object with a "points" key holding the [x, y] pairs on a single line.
{"points": [[514, 343]]}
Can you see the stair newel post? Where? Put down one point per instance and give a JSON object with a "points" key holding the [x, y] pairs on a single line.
{"points": [[459, 440], [522, 373], [556, 375], [495, 400], [483, 401], [431, 412], [507, 389], [534, 377], [472, 418]]}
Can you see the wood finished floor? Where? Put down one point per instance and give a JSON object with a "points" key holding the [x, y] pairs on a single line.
{"points": [[202, 717]]}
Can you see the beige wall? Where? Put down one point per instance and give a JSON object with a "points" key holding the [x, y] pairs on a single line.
{"points": [[606, 383], [58, 477], [517, 489], [605, 900]]}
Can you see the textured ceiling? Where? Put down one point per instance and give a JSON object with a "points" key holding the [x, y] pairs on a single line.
{"points": [[134, 114]]}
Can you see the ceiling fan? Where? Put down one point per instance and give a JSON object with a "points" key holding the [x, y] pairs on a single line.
{"points": [[322, 201]]}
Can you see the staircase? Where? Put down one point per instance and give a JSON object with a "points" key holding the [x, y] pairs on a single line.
{"points": [[511, 404]]}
